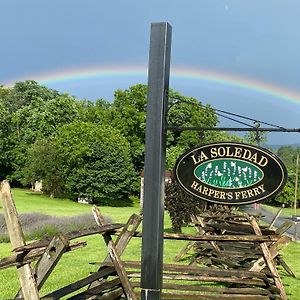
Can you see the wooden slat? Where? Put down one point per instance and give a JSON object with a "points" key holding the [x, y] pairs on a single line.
{"points": [[284, 227], [170, 276], [179, 296], [183, 269], [72, 235], [211, 289], [123, 239], [269, 260], [114, 255], [103, 286], [16, 236], [260, 263], [285, 266], [218, 238], [26, 257], [79, 284], [48, 260]]}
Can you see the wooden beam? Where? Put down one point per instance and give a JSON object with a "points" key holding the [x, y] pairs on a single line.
{"points": [[26, 278], [122, 240], [58, 294], [31, 256], [269, 260], [48, 260], [115, 257]]}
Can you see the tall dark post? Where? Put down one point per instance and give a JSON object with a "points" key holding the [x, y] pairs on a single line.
{"points": [[153, 208]]}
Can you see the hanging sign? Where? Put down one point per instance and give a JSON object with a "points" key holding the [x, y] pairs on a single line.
{"points": [[230, 173]]}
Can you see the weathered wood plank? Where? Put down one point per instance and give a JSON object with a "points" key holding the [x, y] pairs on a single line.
{"points": [[111, 228], [170, 276], [285, 266], [275, 218], [48, 260], [97, 291], [184, 251], [111, 295], [183, 269], [284, 227], [115, 257], [16, 236], [27, 257], [212, 289], [218, 238], [68, 289], [260, 263], [269, 260], [123, 238], [179, 296]]}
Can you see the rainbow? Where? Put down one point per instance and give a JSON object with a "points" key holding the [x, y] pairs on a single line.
{"points": [[177, 72]]}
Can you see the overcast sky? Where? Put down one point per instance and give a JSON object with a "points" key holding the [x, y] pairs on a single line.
{"points": [[238, 55]]}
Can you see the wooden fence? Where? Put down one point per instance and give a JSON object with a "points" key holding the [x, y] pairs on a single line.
{"points": [[230, 257]]}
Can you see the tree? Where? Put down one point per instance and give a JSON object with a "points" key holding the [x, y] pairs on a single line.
{"points": [[35, 121], [44, 163], [97, 161], [129, 116], [288, 154], [99, 112], [24, 92]]}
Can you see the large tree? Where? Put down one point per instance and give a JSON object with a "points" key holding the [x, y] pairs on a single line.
{"points": [[129, 115], [85, 160], [35, 121]]}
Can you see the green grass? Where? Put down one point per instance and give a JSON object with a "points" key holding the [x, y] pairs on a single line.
{"points": [[287, 211], [28, 201], [75, 265]]}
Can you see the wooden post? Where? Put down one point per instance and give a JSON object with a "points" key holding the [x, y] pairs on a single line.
{"points": [[115, 257], [275, 218], [122, 240], [155, 151], [26, 278], [48, 260], [269, 260]]}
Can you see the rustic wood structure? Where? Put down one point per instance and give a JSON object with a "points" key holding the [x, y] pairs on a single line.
{"points": [[232, 258]]}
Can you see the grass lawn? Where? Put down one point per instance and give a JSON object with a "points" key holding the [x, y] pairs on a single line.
{"points": [[75, 265], [287, 211]]}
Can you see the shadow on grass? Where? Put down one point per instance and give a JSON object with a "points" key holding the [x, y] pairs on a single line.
{"points": [[130, 202]]}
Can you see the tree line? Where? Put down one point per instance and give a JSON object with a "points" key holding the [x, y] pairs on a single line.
{"points": [[90, 149]]}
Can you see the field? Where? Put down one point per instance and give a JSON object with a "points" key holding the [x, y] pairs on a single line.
{"points": [[75, 265]]}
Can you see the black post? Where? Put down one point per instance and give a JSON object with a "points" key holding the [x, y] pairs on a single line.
{"points": [[153, 208]]}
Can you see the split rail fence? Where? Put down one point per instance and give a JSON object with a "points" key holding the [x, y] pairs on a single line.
{"points": [[230, 257]]}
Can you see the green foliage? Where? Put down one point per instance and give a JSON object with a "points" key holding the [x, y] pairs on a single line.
{"points": [[187, 112], [99, 112], [96, 160], [180, 205], [129, 116], [29, 112], [44, 163], [172, 154], [288, 154]]}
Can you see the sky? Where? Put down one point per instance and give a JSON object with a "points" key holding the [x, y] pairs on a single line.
{"points": [[238, 56]]}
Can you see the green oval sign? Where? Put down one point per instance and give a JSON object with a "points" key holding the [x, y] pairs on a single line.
{"points": [[230, 173]]}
